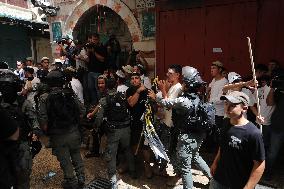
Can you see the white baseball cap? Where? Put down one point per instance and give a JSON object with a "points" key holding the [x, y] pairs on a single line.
{"points": [[233, 76]]}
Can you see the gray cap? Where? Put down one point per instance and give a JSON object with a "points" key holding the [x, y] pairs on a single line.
{"points": [[236, 97]]}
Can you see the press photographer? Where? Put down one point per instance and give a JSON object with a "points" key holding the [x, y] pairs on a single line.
{"points": [[68, 49], [276, 98]]}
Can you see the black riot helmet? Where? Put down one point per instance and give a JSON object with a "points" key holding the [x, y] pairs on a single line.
{"points": [[10, 84], [55, 78], [4, 65], [191, 77]]}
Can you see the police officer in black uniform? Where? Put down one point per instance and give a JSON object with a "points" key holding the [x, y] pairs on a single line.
{"points": [[23, 113], [59, 114], [189, 141]]}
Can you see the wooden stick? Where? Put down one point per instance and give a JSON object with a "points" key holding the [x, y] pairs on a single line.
{"points": [[254, 78], [138, 146]]}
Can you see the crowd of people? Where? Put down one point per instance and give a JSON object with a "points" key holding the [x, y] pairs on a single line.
{"points": [[90, 91]]}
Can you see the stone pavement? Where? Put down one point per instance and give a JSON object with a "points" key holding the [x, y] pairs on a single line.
{"points": [[96, 167]]}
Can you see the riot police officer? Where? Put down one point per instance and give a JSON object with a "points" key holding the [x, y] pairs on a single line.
{"points": [[59, 114], [23, 113], [189, 141], [114, 110]]}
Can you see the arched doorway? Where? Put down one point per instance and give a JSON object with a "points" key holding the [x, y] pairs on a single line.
{"points": [[116, 5], [104, 21]]}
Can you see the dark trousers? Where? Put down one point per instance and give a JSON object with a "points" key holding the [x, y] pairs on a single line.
{"points": [[211, 143], [97, 135]]}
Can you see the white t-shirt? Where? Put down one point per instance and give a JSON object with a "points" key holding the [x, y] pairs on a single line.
{"points": [[20, 73], [121, 88], [83, 55], [146, 81], [215, 94], [78, 89], [173, 93], [265, 110], [31, 94]]}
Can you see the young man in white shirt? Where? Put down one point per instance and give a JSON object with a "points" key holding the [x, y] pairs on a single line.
{"points": [[121, 87], [31, 85], [170, 89], [75, 84], [215, 91], [265, 110]]}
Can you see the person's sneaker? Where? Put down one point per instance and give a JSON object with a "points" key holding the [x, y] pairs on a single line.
{"points": [[91, 154]]}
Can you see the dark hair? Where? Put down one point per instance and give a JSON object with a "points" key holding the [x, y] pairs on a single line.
{"points": [[261, 67], [141, 68], [111, 83], [94, 35], [30, 70], [135, 74], [69, 74], [265, 78], [275, 61], [119, 79], [132, 57], [177, 68]]}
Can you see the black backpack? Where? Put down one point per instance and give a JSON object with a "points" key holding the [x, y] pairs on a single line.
{"points": [[116, 110], [62, 109], [200, 119], [204, 116]]}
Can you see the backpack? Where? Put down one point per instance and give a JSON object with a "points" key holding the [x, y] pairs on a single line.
{"points": [[62, 109], [200, 119], [116, 110], [204, 116]]}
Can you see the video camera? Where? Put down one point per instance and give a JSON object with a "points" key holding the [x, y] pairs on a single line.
{"points": [[278, 82], [62, 41]]}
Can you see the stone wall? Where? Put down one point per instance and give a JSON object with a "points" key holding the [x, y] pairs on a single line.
{"points": [[71, 11]]}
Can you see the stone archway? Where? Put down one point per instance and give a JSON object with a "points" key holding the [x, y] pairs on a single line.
{"points": [[116, 5]]}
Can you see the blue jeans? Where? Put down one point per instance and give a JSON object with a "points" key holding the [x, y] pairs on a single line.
{"points": [[93, 87], [216, 185], [276, 142], [187, 152]]}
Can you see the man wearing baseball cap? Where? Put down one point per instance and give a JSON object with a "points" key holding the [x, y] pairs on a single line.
{"points": [[215, 92], [240, 160]]}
